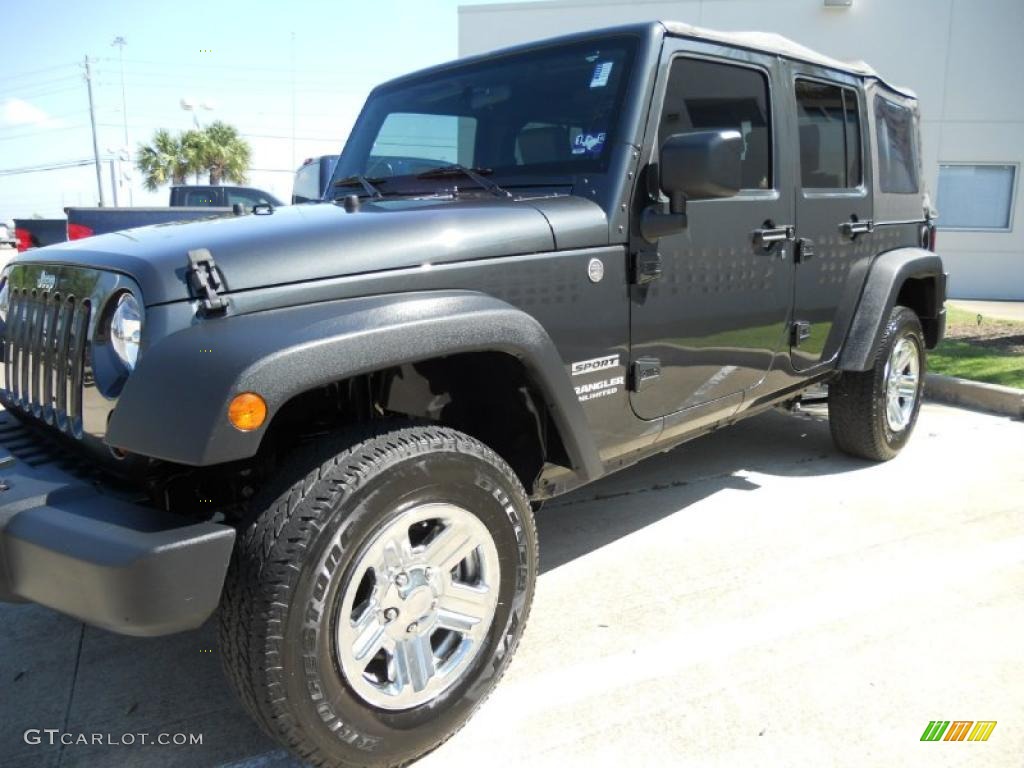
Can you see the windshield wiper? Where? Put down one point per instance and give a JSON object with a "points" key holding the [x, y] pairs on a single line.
{"points": [[365, 183], [474, 174]]}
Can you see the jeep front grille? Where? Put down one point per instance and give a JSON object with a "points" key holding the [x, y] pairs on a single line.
{"points": [[44, 357]]}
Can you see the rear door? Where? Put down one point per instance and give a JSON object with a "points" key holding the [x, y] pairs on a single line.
{"points": [[714, 319], [833, 211]]}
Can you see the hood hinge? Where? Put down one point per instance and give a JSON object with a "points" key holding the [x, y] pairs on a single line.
{"points": [[206, 282]]}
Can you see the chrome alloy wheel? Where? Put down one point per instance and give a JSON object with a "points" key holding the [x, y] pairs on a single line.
{"points": [[418, 606], [902, 377]]}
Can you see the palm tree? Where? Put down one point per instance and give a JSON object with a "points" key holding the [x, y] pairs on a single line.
{"points": [[193, 150], [224, 154], [218, 150], [163, 160]]}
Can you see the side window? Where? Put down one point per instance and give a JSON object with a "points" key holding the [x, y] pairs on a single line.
{"points": [[705, 95], [828, 118], [198, 198], [897, 147], [247, 199]]}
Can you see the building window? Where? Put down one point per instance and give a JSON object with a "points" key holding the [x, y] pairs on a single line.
{"points": [[896, 131], [976, 196], [829, 122], [705, 95]]}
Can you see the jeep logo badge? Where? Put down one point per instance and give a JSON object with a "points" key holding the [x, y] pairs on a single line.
{"points": [[46, 281], [595, 270]]}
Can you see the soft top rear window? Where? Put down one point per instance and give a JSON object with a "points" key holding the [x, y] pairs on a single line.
{"points": [[896, 132]]}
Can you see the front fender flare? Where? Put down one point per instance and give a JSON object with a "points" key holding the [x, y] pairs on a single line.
{"points": [[887, 276], [174, 406]]}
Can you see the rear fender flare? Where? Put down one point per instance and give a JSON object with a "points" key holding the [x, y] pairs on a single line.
{"points": [[888, 274]]}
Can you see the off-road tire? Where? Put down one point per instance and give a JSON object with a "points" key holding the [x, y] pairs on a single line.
{"points": [[290, 563], [857, 399]]}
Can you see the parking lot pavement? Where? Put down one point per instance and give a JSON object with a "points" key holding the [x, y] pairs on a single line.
{"points": [[752, 598]]}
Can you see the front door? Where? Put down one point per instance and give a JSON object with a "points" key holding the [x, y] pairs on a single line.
{"points": [[710, 326], [833, 212]]}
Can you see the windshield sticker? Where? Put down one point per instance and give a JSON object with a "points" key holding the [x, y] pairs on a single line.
{"points": [[602, 72], [588, 144]]}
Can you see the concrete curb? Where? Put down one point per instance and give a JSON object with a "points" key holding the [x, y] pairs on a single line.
{"points": [[1004, 401]]}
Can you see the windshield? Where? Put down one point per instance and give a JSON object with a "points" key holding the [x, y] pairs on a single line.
{"points": [[544, 113]]}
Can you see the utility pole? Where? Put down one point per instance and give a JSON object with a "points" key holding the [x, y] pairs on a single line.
{"points": [[293, 100], [95, 142], [113, 180], [120, 42]]}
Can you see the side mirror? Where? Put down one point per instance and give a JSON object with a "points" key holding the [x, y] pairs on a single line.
{"points": [[700, 165]]}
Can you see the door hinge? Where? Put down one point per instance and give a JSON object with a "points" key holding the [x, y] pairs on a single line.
{"points": [[206, 282], [644, 372], [801, 331], [804, 250], [646, 267]]}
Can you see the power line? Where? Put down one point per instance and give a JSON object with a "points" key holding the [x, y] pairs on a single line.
{"points": [[32, 134], [300, 138], [236, 84], [39, 95], [18, 90], [165, 65], [9, 76], [59, 166]]}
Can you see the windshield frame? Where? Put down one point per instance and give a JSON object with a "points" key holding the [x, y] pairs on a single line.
{"points": [[365, 130]]}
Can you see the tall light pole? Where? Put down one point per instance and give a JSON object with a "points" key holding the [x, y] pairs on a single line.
{"points": [[121, 42]]}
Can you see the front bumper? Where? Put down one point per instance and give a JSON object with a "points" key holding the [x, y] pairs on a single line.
{"points": [[69, 544]]}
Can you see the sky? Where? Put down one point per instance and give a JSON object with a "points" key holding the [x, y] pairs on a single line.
{"points": [[247, 60]]}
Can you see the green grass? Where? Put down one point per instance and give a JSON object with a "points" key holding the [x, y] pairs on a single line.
{"points": [[966, 360], [955, 357]]}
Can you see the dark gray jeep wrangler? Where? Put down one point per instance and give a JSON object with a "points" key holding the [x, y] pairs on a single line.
{"points": [[331, 422]]}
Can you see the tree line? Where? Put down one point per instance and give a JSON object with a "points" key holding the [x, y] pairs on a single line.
{"points": [[216, 150]]}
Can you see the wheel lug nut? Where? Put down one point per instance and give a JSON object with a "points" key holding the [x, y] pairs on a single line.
{"points": [[412, 628], [402, 579], [391, 614]]}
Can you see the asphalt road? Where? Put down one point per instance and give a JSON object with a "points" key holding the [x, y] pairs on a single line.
{"points": [[750, 599]]}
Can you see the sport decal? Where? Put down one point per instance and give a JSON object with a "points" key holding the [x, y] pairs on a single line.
{"points": [[596, 364]]}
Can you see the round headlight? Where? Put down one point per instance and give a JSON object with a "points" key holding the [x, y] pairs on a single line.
{"points": [[5, 301], [126, 330]]}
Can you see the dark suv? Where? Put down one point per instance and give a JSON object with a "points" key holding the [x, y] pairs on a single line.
{"points": [[533, 268]]}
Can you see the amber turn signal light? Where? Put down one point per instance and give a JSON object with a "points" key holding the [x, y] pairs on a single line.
{"points": [[247, 411]]}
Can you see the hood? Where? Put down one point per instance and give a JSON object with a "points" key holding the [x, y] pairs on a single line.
{"points": [[318, 241]]}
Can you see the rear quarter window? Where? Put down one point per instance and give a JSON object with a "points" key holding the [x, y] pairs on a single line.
{"points": [[896, 134]]}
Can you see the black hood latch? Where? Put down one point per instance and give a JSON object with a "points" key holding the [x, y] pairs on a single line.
{"points": [[206, 282]]}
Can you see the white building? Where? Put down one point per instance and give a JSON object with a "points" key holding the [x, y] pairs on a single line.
{"points": [[964, 58]]}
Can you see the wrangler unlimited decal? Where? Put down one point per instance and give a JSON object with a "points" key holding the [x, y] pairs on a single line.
{"points": [[596, 389]]}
